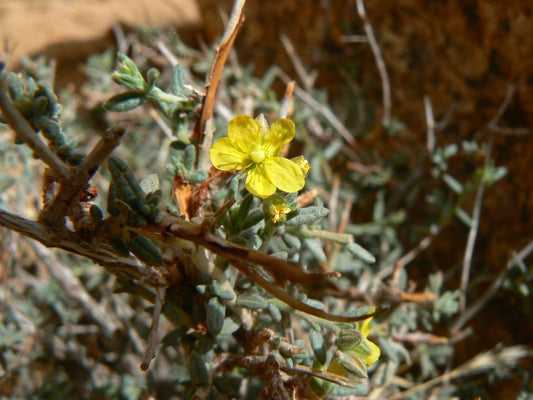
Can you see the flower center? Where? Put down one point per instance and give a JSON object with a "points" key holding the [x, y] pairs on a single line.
{"points": [[257, 156]]}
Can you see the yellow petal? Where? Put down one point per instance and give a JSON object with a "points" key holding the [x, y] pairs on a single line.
{"points": [[226, 156], [280, 133], [365, 326], [257, 183], [283, 173], [244, 131], [373, 356]]}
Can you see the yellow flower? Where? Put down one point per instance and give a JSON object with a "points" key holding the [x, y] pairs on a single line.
{"points": [[253, 147]]}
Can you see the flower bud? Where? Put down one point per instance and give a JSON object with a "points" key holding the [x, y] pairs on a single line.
{"points": [[303, 164], [276, 209]]}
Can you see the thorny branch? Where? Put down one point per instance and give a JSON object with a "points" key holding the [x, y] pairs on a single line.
{"points": [[54, 214], [100, 253], [214, 75], [171, 229]]}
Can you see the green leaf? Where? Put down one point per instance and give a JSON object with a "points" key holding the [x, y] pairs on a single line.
{"points": [[126, 101], [6, 182], [318, 346], [150, 183], [274, 312], [215, 316], [463, 217], [453, 183], [316, 249], [252, 301], [198, 370], [231, 324], [361, 253], [307, 215], [178, 79]]}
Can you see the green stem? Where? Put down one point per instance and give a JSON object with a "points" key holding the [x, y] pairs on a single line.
{"points": [[158, 94], [269, 230]]}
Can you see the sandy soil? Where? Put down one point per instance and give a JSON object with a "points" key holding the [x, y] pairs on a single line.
{"points": [[35, 26]]}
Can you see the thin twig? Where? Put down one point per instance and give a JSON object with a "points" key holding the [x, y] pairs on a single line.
{"points": [[407, 258], [167, 130], [120, 38], [169, 55], [469, 313], [493, 124], [380, 63], [430, 123], [153, 337], [419, 337], [293, 302], [308, 79], [286, 101], [503, 107], [482, 362], [23, 129], [322, 109], [215, 72], [471, 240]]}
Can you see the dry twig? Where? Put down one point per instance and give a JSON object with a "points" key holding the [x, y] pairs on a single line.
{"points": [[471, 240], [380, 63], [430, 123], [100, 253], [469, 313], [482, 362], [214, 75], [308, 79], [153, 338], [322, 109], [68, 195]]}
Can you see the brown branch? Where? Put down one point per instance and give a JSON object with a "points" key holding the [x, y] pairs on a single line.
{"points": [[171, 229], [24, 130], [100, 253], [242, 257], [215, 72], [275, 290], [70, 190]]}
